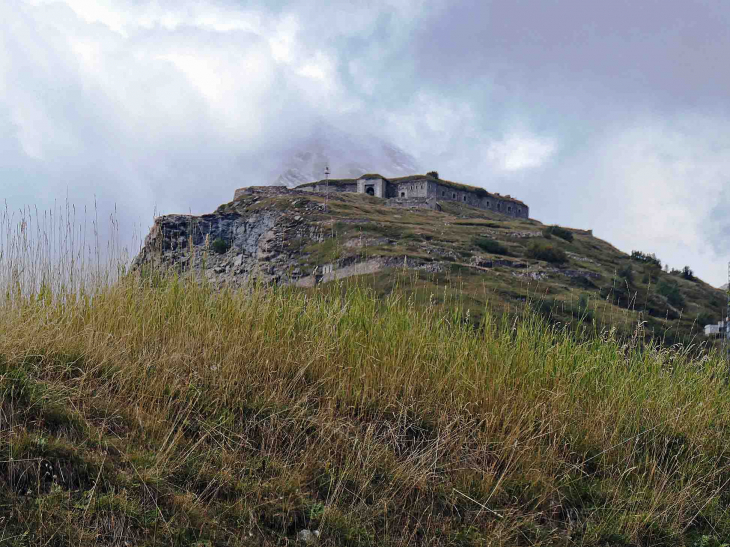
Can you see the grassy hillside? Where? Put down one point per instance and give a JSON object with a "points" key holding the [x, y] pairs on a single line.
{"points": [[390, 409], [572, 276], [159, 412]]}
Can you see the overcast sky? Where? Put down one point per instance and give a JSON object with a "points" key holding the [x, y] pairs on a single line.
{"points": [[611, 115]]}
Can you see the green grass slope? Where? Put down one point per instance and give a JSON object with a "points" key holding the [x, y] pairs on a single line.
{"points": [[572, 276], [161, 412]]}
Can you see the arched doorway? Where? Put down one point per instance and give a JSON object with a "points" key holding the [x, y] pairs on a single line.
{"points": [[370, 191]]}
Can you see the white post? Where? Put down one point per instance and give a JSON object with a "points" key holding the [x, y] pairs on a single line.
{"points": [[327, 185], [726, 338]]}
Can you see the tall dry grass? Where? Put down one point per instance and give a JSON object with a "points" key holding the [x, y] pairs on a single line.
{"points": [[156, 410]]}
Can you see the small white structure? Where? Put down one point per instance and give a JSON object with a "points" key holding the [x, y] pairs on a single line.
{"points": [[716, 330]]}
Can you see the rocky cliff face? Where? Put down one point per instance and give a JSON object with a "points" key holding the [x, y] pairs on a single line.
{"points": [[245, 239], [269, 234]]}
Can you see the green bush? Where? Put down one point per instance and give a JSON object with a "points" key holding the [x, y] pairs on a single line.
{"points": [[653, 271], [670, 290], [491, 246], [627, 273], [220, 245], [704, 318], [547, 252], [558, 231]]}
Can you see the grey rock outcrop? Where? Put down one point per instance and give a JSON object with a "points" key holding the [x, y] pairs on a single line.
{"points": [[254, 238], [236, 243]]}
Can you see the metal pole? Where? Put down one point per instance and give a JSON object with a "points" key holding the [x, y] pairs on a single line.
{"points": [[726, 339], [327, 185]]}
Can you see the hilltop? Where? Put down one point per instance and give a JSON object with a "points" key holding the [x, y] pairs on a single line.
{"points": [[283, 236]]}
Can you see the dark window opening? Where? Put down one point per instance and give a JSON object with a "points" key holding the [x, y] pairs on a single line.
{"points": [[489, 204], [453, 195], [509, 209], [443, 193], [370, 191], [402, 194], [464, 198]]}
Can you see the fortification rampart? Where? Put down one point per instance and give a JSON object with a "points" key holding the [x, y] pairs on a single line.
{"points": [[419, 187], [419, 203]]}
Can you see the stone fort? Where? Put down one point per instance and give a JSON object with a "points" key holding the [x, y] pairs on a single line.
{"points": [[422, 191]]}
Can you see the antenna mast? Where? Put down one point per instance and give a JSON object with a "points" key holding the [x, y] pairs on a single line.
{"points": [[327, 186], [726, 337]]}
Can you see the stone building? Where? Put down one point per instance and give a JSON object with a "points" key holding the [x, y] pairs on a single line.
{"points": [[423, 187]]}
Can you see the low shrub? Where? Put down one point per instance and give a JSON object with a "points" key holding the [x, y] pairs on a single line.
{"points": [[670, 290], [704, 318], [547, 252], [220, 245], [491, 246], [558, 231], [627, 273]]}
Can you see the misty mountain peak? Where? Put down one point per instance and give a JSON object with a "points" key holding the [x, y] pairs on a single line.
{"points": [[348, 155]]}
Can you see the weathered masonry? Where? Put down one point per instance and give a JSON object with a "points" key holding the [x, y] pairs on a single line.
{"points": [[423, 186]]}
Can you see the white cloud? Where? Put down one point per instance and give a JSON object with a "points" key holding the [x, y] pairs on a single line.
{"points": [[127, 18], [319, 67], [519, 151], [429, 122], [651, 185], [283, 38], [145, 103], [30, 122]]}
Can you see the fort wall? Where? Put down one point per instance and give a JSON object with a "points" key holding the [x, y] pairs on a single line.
{"points": [[420, 187], [419, 203], [323, 187], [424, 188]]}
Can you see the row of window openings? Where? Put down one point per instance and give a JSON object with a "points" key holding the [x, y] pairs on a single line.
{"points": [[499, 205], [453, 196]]}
